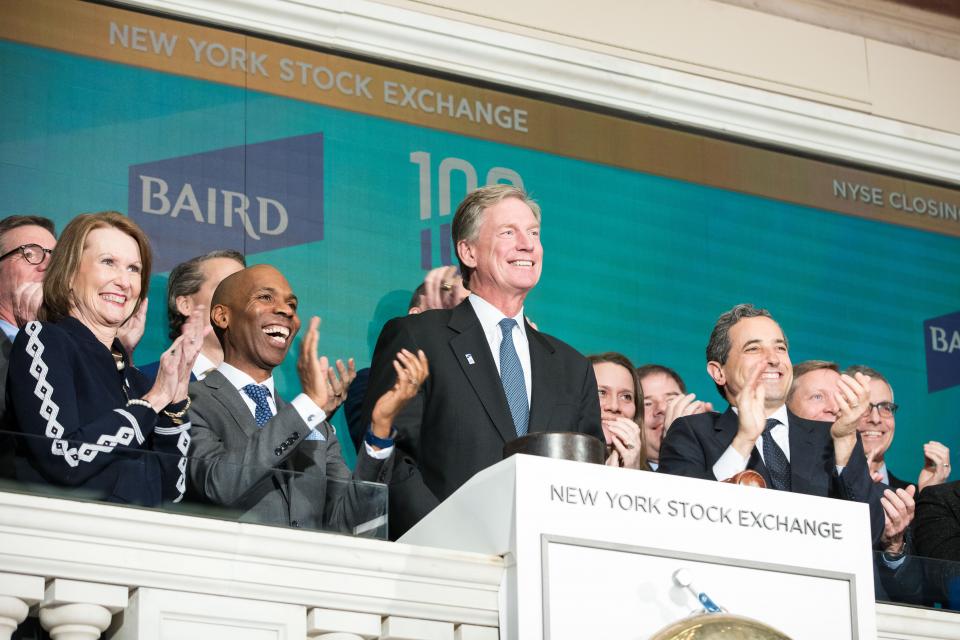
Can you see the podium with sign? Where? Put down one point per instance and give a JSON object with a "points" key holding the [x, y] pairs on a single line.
{"points": [[600, 552]]}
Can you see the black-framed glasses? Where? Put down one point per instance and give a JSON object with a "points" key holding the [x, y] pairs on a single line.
{"points": [[886, 409], [32, 253]]}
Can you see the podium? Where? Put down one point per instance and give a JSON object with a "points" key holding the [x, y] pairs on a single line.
{"points": [[592, 551]]}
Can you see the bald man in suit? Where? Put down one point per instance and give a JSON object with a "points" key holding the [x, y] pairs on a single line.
{"points": [[278, 462]]}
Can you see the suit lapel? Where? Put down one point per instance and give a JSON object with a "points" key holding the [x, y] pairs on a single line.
{"points": [[544, 375], [482, 372], [229, 398], [238, 411], [726, 427], [802, 453]]}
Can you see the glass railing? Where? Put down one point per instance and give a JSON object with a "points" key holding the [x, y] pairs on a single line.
{"points": [[307, 488], [918, 581]]}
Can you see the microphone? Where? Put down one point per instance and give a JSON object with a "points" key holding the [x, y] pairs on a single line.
{"points": [[683, 578]]}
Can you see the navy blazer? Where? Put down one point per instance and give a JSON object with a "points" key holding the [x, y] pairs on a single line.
{"points": [[459, 421], [693, 444], [72, 405]]}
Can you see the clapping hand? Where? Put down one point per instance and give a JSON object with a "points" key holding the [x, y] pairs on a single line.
{"points": [[443, 288], [625, 436], [853, 399], [318, 379], [686, 405], [412, 370], [27, 299], [936, 465], [131, 331], [173, 375], [898, 509], [751, 411]]}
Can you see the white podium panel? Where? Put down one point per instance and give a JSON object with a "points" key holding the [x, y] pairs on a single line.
{"points": [[592, 551]]}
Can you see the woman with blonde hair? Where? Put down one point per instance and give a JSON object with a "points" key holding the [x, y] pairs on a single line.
{"points": [[91, 420]]}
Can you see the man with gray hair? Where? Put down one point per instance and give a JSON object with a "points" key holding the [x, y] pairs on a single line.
{"points": [[749, 360], [877, 427], [493, 376]]}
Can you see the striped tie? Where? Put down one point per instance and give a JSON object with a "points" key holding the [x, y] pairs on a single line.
{"points": [[511, 376]]}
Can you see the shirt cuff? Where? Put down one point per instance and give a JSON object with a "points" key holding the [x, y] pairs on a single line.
{"points": [[311, 413], [893, 561], [378, 454], [730, 464]]}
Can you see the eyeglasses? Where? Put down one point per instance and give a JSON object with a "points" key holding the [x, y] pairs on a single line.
{"points": [[885, 409], [32, 253]]}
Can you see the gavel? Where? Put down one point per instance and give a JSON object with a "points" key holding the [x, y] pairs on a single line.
{"points": [[748, 478]]}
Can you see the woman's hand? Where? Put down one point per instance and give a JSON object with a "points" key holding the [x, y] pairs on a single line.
{"points": [[176, 363], [627, 441], [166, 385], [194, 330]]}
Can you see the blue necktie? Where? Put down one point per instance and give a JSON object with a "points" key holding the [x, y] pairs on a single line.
{"points": [[259, 394], [775, 459], [511, 376]]}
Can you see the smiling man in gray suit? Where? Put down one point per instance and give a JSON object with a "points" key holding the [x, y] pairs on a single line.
{"points": [[494, 377], [269, 459]]}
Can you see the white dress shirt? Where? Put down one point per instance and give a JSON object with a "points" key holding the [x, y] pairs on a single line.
{"points": [[203, 365], [731, 462], [312, 414], [490, 318], [11, 330], [886, 474]]}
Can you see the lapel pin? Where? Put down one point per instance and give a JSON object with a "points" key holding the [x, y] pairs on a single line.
{"points": [[470, 358]]}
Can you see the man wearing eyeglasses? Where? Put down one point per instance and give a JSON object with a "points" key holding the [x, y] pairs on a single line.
{"points": [[877, 428], [26, 243]]}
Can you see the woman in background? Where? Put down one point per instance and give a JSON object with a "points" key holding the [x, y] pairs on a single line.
{"points": [[91, 420], [621, 415]]}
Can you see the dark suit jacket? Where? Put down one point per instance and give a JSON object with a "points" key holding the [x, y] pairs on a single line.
{"points": [[8, 443], [936, 526], [936, 534], [273, 474], [458, 423], [895, 482], [694, 443]]}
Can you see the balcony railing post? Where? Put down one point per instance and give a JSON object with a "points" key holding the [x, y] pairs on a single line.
{"points": [[73, 610], [18, 593]]}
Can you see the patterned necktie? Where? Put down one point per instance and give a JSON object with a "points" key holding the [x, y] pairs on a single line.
{"points": [[775, 459], [259, 394], [511, 376]]}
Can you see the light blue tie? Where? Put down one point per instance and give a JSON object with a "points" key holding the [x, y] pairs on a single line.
{"points": [[511, 375], [259, 393]]}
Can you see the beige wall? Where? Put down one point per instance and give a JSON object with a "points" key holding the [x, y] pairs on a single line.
{"points": [[717, 39]]}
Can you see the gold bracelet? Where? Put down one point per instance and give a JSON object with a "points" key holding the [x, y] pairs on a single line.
{"points": [[178, 414]]}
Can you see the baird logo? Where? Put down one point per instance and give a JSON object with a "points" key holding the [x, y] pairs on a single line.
{"points": [[231, 205], [252, 198], [942, 342], [939, 342]]}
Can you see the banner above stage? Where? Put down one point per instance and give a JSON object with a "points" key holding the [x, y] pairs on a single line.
{"points": [[260, 64]]}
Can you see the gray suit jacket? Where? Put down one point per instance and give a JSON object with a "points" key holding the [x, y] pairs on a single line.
{"points": [[273, 474]]}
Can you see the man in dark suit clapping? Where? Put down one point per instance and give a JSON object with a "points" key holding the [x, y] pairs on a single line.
{"points": [[749, 361], [493, 376]]}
